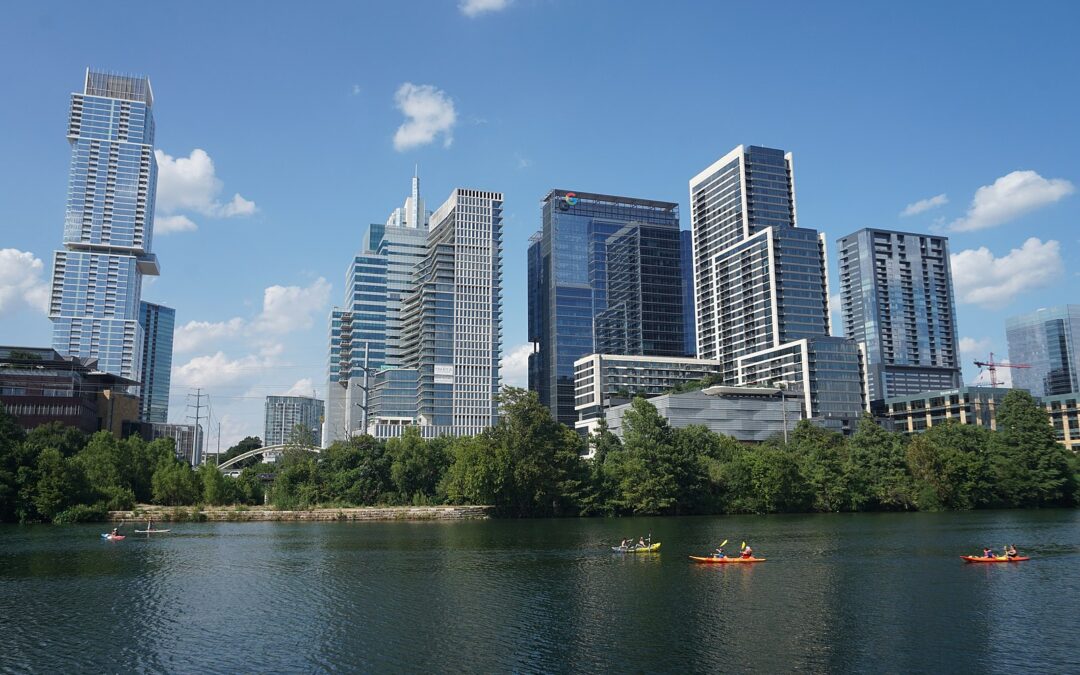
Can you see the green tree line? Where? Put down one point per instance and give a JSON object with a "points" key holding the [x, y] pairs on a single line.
{"points": [[530, 465]]}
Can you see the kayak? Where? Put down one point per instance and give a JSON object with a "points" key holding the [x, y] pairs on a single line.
{"points": [[637, 549], [721, 561], [149, 531], [994, 559], [113, 537]]}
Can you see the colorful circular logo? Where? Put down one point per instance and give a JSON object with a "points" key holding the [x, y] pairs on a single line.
{"points": [[571, 198]]}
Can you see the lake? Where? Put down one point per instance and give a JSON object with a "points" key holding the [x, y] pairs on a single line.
{"points": [[839, 593]]}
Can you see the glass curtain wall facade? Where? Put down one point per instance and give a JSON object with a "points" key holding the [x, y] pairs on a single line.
{"points": [[897, 299], [761, 284], [157, 323], [1049, 341], [568, 289], [291, 418], [686, 264], [108, 225]]}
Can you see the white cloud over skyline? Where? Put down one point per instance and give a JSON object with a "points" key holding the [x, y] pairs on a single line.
{"points": [[981, 278], [474, 8], [429, 112], [1009, 197], [515, 366], [191, 184], [22, 282], [924, 205]]}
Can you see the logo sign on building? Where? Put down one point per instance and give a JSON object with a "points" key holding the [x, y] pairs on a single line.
{"points": [[444, 374], [568, 200]]}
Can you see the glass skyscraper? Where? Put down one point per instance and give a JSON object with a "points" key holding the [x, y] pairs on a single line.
{"points": [[109, 224], [157, 323], [897, 296], [686, 263], [590, 246], [761, 286], [425, 297], [1048, 340], [286, 416]]}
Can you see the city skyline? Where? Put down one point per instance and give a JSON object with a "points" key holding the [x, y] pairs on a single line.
{"points": [[251, 303]]}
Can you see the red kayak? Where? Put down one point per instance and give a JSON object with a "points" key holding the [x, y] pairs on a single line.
{"points": [[994, 559], [721, 561], [113, 537]]}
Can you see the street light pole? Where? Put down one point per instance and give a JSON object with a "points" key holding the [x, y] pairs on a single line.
{"points": [[782, 386]]}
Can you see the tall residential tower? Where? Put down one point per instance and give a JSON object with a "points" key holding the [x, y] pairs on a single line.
{"points": [[109, 224], [897, 297], [762, 296]]}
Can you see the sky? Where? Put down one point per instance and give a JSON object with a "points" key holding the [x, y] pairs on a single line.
{"points": [[284, 129]]}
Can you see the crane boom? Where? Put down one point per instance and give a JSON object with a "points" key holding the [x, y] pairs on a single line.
{"points": [[992, 366]]}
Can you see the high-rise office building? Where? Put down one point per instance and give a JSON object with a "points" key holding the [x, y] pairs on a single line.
{"points": [[897, 298], [293, 419], [761, 287], [1048, 340], [590, 246], [423, 304], [157, 322], [109, 224], [686, 263]]}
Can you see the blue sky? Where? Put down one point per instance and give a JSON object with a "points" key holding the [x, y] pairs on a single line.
{"points": [[277, 123]]}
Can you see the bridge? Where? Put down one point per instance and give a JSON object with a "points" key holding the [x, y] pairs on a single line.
{"points": [[274, 450]]}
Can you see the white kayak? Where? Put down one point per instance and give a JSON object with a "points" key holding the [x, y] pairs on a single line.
{"points": [[150, 531]]}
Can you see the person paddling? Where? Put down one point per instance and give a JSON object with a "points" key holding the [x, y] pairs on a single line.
{"points": [[1010, 551], [746, 552], [987, 553]]}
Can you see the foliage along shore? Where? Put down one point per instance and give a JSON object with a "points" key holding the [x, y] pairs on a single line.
{"points": [[530, 465]]}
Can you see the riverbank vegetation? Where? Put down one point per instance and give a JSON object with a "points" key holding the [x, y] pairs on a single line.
{"points": [[530, 465]]}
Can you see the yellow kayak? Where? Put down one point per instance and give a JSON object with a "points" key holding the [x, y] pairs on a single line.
{"points": [[637, 549]]}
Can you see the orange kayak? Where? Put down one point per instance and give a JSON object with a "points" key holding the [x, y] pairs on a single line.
{"points": [[995, 559], [721, 561]]}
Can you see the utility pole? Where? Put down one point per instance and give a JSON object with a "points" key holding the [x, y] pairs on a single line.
{"points": [[217, 456], [196, 447]]}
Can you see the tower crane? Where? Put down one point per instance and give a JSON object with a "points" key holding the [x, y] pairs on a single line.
{"points": [[992, 366]]}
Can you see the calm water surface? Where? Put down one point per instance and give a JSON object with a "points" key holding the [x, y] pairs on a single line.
{"points": [[840, 593]]}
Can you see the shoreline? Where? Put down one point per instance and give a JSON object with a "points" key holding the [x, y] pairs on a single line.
{"points": [[262, 514]]}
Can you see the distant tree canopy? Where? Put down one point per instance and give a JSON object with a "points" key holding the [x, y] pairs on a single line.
{"points": [[530, 465]]}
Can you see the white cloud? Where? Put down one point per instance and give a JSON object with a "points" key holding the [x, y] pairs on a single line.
{"points": [[191, 184], [288, 308], [972, 347], [982, 279], [21, 282], [195, 334], [303, 387], [474, 8], [515, 366], [170, 224], [356, 90], [1010, 197], [924, 205], [428, 112], [523, 162], [217, 370]]}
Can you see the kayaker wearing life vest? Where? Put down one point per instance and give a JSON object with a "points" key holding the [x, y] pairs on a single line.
{"points": [[719, 552], [1010, 551], [746, 551]]}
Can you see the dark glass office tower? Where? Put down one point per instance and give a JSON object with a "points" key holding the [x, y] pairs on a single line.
{"points": [[1048, 340], [569, 275], [157, 322], [686, 251]]}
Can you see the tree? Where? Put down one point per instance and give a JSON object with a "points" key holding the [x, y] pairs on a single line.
{"points": [[822, 455], [216, 489], [478, 473], [416, 465], [245, 445], [950, 466], [173, 484], [648, 469], [12, 456], [1031, 467], [59, 484], [67, 439], [356, 473], [107, 464], [601, 490], [875, 470]]}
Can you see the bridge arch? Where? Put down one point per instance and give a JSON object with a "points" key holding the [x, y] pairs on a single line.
{"points": [[267, 450]]}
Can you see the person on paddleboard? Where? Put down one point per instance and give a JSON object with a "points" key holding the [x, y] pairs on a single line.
{"points": [[746, 551]]}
